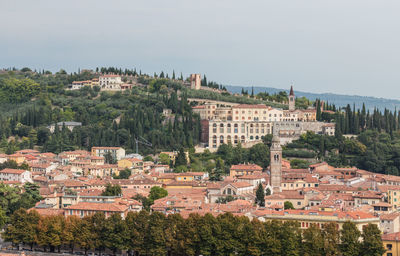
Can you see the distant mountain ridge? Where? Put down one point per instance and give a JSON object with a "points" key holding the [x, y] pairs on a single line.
{"points": [[338, 99]]}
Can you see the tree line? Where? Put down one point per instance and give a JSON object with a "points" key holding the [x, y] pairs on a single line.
{"points": [[154, 233]]}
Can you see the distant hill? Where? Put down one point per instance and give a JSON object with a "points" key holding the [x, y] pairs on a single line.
{"points": [[337, 99]]}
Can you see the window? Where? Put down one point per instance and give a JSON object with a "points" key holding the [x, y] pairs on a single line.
{"points": [[389, 247], [228, 128], [242, 139], [236, 139], [242, 128], [214, 128], [221, 128], [221, 139], [235, 128]]}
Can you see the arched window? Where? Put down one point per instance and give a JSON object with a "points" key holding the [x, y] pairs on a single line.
{"points": [[229, 139], [214, 128], [221, 139], [235, 128], [235, 140], [228, 128], [242, 139], [214, 141], [242, 128], [221, 128]]}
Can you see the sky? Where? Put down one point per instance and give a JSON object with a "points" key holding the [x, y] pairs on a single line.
{"points": [[337, 46]]}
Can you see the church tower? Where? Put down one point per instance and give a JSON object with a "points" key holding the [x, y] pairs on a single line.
{"points": [[276, 165], [292, 101]]}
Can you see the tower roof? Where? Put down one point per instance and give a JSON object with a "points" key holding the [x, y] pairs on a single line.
{"points": [[276, 139], [291, 91]]}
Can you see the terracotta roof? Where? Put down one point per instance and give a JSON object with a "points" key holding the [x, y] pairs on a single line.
{"points": [[382, 204], [106, 148], [107, 207], [13, 171], [391, 237], [242, 184], [253, 167], [250, 106], [389, 216], [109, 76]]}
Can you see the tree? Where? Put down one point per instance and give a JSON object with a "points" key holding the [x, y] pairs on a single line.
{"points": [[217, 172], [181, 158], [148, 158], [260, 200], [224, 200], [124, 174], [372, 241], [112, 190], [330, 234], [70, 232], [259, 154], [349, 239], [109, 158], [164, 158], [313, 242], [86, 237], [115, 233], [22, 228], [288, 205], [157, 193]]}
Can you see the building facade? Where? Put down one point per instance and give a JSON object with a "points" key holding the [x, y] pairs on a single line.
{"points": [[195, 81], [276, 165], [110, 82]]}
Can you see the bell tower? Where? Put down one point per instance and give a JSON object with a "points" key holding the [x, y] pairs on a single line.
{"points": [[292, 101], [276, 164]]}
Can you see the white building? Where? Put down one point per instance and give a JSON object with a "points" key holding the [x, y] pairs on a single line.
{"points": [[22, 176], [110, 82], [224, 132], [117, 152], [70, 125]]}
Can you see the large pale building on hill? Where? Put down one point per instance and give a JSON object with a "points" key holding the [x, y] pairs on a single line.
{"points": [[195, 81], [110, 82], [249, 123]]}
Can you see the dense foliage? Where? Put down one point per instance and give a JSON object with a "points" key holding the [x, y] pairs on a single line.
{"points": [[108, 118], [370, 150], [156, 234]]}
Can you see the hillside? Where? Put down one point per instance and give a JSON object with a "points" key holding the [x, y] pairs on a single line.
{"points": [[337, 99]]}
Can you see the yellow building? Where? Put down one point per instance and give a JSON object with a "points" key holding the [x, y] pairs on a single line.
{"points": [[391, 243], [394, 196], [130, 163], [190, 176], [19, 158]]}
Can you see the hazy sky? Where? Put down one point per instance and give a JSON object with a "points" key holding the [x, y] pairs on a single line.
{"points": [[340, 46]]}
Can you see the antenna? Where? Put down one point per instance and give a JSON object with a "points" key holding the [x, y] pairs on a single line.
{"points": [[143, 141]]}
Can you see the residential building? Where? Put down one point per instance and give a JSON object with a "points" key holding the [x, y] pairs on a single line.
{"points": [[244, 169], [110, 82], [121, 207], [116, 152], [70, 125], [18, 175], [391, 243]]}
